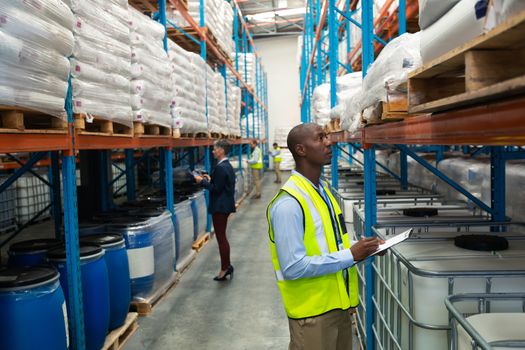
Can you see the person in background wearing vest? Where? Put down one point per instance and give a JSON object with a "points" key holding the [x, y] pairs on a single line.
{"points": [[256, 164], [312, 254], [276, 155]]}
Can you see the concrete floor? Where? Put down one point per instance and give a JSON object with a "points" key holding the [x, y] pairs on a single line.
{"points": [[245, 313]]}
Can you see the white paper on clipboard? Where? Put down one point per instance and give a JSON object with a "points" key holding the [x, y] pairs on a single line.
{"points": [[393, 241]]}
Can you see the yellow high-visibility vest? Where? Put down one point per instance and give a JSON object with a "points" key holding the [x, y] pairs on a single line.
{"points": [[259, 164], [277, 158], [313, 296]]}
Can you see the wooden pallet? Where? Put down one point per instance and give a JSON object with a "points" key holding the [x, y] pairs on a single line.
{"points": [[196, 135], [234, 137], [101, 127], [145, 130], [117, 339], [334, 125], [489, 67], [23, 120], [201, 240], [146, 306], [176, 133]]}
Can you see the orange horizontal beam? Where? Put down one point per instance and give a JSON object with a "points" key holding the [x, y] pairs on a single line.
{"points": [[497, 124], [22, 142]]}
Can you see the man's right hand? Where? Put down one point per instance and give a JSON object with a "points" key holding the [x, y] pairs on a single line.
{"points": [[363, 248]]}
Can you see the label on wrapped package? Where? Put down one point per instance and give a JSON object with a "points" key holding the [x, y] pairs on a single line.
{"points": [[141, 262]]}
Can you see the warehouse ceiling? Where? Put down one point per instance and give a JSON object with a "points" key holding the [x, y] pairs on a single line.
{"points": [[273, 17]]}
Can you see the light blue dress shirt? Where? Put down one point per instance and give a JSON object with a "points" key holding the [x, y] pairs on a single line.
{"points": [[286, 216]]}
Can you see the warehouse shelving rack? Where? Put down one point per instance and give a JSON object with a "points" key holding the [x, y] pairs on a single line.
{"points": [[496, 127], [62, 149]]}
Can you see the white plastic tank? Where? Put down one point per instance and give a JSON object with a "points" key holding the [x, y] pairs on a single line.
{"points": [[422, 272], [493, 327]]}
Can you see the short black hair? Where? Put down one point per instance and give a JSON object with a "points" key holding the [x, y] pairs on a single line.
{"points": [[297, 135], [275, 143], [224, 144]]}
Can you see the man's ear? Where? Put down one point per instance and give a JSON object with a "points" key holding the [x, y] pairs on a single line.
{"points": [[300, 150]]}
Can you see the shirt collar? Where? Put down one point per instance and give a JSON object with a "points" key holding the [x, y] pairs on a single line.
{"points": [[222, 160], [295, 172]]}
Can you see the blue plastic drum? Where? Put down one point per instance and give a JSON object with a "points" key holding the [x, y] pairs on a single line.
{"points": [[31, 253], [32, 309], [95, 290], [118, 273], [141, 257], [200, 213], [91, 228]]}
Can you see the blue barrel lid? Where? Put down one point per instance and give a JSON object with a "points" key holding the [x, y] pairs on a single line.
{"points": [[87, 250], [16, 277], [105, 240], [34, 246]]}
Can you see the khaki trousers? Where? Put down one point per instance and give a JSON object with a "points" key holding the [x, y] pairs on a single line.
{"points": [[277, 168], [257, 179], [330, 331]]}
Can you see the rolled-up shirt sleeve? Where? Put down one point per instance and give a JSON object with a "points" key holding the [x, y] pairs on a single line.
{"points": [[286, 216]]}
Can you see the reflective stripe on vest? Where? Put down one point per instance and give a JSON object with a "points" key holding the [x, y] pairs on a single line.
{"points": [[277, 158], [313, 296], [259, 164]]}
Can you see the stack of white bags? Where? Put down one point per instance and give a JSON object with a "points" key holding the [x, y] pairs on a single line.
{"points": [[151, 85], [218, 15], [189, 89], [248, 73], [221, 103], [101, 63], [256, 127], [234, 110], [35, 40], [448, 24], [280, 136], [213, 105]]}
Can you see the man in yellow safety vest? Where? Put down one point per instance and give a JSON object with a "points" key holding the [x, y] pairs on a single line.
{"points": [[312, 254], [256, 164], [276, 154]]}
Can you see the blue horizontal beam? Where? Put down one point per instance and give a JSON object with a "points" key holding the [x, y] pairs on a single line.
{"points": [[515, 155], [445, 178]]}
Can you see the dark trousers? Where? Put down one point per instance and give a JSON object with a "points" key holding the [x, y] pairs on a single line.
{"points": [[220, 220]]}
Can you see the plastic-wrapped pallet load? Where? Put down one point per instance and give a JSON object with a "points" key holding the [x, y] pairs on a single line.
{"points": [[256, 127], [184, 233], [280, 136], [213, 105], [234, 110], [246, 68], [461, 23], [189, 89], [218, 19], [501, 10], [101, 63], [348, 86], [388, 73], [220, 94], [36, 40], [150, 242], [151, 71]]}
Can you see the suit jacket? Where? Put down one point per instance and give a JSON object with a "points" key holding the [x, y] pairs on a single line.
{"points": [[222, 189]]}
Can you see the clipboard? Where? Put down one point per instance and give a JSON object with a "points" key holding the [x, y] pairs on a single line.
{"points": [[393, 241]]}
